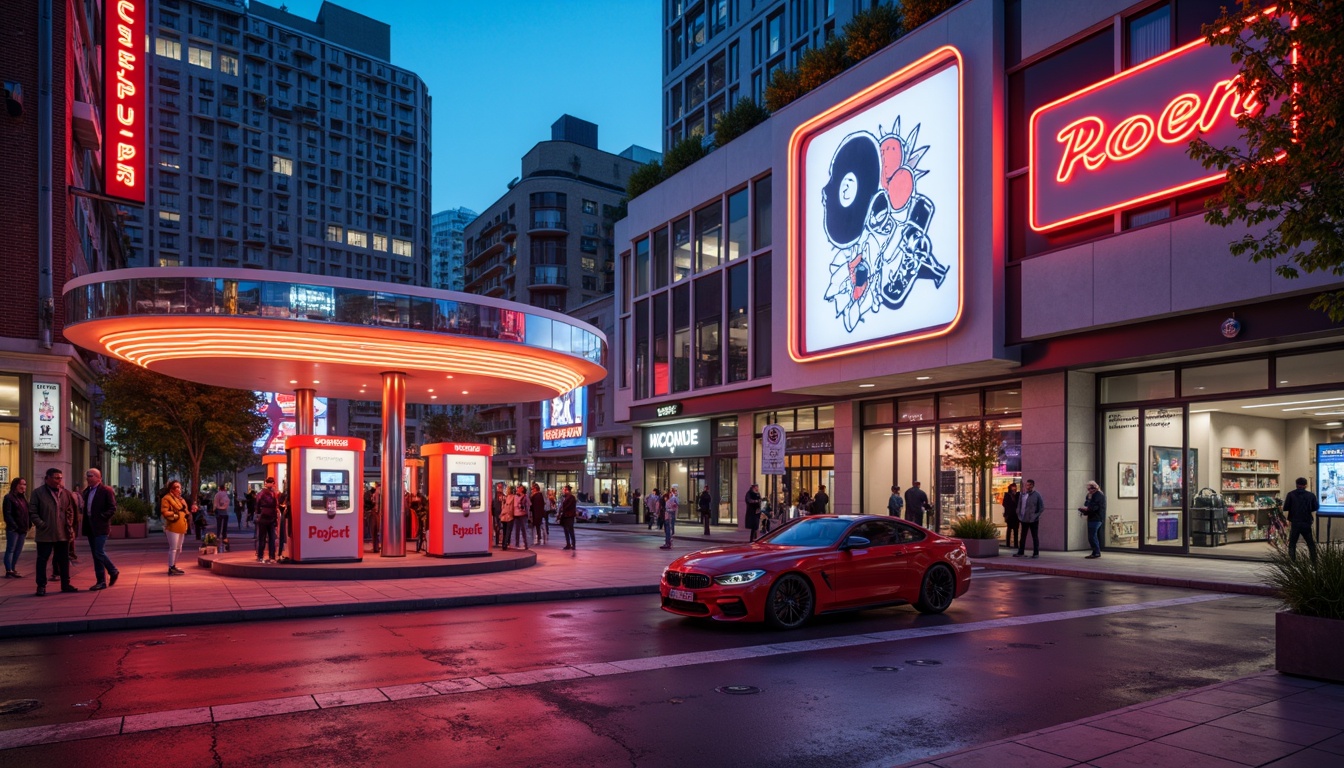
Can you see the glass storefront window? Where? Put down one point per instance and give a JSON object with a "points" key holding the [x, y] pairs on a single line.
{"points": [[642, 267], [681, 338], [826, 417], [1310, 370], [1119, 478], [1136, 387], [660, 258], [1000, 401], [737, 224], [1244, 376], [806, 419], [959, 406], [709, 237], [9, 398], [878, 413], [1008, 470], [726, 427], [681, 249], [708, 341], [761, 346], [1168, 471], [762, 223], [738, 331], [915, 409]]}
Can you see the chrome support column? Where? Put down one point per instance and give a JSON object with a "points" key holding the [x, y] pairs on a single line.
{"points": [[393, 459], [303, 411]]}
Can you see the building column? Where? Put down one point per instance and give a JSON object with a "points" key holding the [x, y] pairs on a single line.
{"points": [[303, 411], [394, 452]]}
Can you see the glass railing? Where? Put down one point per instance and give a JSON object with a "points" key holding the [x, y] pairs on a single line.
{"points": [[313, 303]]}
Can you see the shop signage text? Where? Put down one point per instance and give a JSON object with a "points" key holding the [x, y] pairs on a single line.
{"points": [[124, 99], [688, 439], [1123, 141], [46, 416], [668, 410]]}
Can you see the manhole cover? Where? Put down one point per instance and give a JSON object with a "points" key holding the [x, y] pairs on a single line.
{"points": [[923, 662], [886, 669], [18, 706], [738, 690]]}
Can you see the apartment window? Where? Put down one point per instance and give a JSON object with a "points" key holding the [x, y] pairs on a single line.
{"points": [[588, 244], [169, 160], [282, 165], [228, 64], [738, 320], [717, 73], [681, 249], [681, 338], [774, 33], [1149, 35], [660, 371], [201, 57], [402, 248], [168, 47], [168, 200], [760, 342], [357, 239], [660, 258], [333, 233], [762, 218], [380, 242], [737, 225], [709, 237], [590, 207], [696, 34], [169, 219], [708, 344], [732, 62], [642, 267]]}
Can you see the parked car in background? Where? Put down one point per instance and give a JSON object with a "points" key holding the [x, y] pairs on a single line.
{"points": [[594, 513]]}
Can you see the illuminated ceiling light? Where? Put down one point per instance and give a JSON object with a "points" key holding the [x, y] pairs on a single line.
{"points": [[867, 386], [1294, 402], [1333, 423], [1285, 381], [923, 378], [449, 376], [465, 392], [293, 381], [433, 397], [315, 381], [431, 390], [1203, 410]]}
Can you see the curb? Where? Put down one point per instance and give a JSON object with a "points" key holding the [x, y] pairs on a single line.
{"points": [[311, 611], [1234, 587]]}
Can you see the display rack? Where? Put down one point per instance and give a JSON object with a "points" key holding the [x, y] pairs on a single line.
{"points": [[1247, 480]]}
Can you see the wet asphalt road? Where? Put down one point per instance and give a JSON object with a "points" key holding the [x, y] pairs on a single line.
{"points": [[825, 707]]}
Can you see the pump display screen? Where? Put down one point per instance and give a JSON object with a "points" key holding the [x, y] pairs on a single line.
{"points": [[466, 488], [330, 491]]}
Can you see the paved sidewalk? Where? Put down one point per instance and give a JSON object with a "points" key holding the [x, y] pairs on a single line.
{"points": [[1261, 720], [611, 560]]}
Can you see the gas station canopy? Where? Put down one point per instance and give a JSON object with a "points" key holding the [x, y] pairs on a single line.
{"points": [[278, 331]]}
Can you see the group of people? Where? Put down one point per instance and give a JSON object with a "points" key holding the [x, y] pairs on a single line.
{"points": [[521, 515], [59, 516], [761, 517]]}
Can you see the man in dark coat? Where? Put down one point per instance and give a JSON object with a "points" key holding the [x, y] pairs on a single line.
{"points": [[100, 504], [1299, 505], [54, 511], [916, 503], [821, 502], [753, 509]]}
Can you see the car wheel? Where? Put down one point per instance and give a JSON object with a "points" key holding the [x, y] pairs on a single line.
{"points": [[790, 603], [937, 591]]}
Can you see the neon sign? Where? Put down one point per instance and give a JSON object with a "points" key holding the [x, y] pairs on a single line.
{"points": [[1122, 142], [124, 99]]}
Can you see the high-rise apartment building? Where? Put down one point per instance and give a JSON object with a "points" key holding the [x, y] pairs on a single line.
{"points": [[278, 142], [716, 52], [446, 264]]}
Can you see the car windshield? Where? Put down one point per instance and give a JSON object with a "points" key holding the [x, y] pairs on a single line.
{"points": [[808, 532]]}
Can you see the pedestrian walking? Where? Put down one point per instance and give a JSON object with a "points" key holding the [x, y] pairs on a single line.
{"points": [[222, 503], [703, 505], [497, 515], [17, 522], [916, 503], [100, 504], [510, 509], [653, 506], [238, 507], [894, 502], [1094, 508], [198, 519], [251, 502], [753, 516], [552, 507], [283, 520], [670, 508], [1300, 505], [1030, 507], [54, 512], [821, 502], [522, 512], [569, 509], [1012, 535], [268, 514], [177, 514], [537, 512]]}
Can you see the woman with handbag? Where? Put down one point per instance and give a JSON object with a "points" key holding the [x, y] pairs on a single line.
{"points": [[176, 516]]}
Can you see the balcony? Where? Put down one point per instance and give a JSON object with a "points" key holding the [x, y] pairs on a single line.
{"points": [[549, 277], [255, 236], [510, 232], [498, 425], [548, 222]]}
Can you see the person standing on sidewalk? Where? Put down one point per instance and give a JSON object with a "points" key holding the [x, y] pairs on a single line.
{"points": [[569, 509], [222, 502], [54, 510], [702, 505], [654, 504], [821, 503], [1029, 510], [17, 523], [251, 502], [753, 509], [670, 508], [537, 503], [268, 512], [1095, 509], [1299, 505], [916, 503], [509, 509], [520, 517], [176, 520], [100, 504], [1012, 535], [894, 502], [496, 514]]}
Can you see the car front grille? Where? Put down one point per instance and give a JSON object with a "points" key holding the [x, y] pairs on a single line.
{"points": [[687, 580]]}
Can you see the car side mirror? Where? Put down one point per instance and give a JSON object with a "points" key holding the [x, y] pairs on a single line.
{"points": [[854, 542]]}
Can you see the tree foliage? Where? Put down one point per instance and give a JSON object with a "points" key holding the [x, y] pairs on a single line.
{"points": [[821, 64], [919, 11], [871, 30], [180, 422], [643, 178], [460, 424], [684, 153], [1288, 172], [975, 447], [745, 115], [784, 87]]}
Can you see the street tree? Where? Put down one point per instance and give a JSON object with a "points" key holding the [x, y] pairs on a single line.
{"points": [[187, 424], [462, 423], [976, 448], [1285, 181]]}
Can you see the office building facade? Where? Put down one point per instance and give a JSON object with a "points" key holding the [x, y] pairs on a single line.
{"points": [[923, 243], [447, 268]]}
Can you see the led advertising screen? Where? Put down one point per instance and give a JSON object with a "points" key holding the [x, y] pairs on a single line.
{"points": [[875, 214], [278, 408], [563, 420], [1330, 478]]}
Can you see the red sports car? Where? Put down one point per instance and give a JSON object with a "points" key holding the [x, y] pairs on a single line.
{"points": [[819, 564]]}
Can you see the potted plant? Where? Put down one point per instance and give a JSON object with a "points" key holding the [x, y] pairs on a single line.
{"points": [[1308, 629], [116, 527], [137, 516], [210, 545], [980, 536]]}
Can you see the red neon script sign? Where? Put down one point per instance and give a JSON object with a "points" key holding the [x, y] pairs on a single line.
{"points": [[124, 99], [1123, 141]]}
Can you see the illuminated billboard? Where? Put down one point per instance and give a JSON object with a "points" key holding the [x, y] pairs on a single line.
{"points": [[1330, 478], [125, 120], [563, 420], [875, 235], [279, 408]]}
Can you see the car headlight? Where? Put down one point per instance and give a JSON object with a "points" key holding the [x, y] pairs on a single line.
{"points": [[741, 577]]}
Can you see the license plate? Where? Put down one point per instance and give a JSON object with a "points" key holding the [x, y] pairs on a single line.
{"points": [[681, 594]]}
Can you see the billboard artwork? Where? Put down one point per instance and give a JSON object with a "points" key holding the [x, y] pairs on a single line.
{"points": [[875, 215], [1330, 478], [562, 420], [278, 408]]}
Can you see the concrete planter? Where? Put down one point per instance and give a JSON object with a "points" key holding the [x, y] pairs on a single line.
{"points": [[981, 547], [137, 530], [209, 550], [1307, 646], [116, 531]]}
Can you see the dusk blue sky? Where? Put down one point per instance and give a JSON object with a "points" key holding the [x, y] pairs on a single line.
{"points": [[501, 71]]}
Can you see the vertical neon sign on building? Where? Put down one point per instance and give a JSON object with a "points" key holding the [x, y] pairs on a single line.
{"points": [[124, 115]]}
